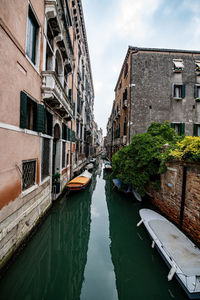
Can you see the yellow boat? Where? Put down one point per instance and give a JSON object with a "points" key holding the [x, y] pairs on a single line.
{"points": [[80, 182]]}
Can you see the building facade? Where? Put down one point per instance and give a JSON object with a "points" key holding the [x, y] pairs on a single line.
{"points": [[155, 85], [46, 116]]}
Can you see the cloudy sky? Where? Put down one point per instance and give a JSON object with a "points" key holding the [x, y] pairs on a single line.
{"points": [[113, 25]]}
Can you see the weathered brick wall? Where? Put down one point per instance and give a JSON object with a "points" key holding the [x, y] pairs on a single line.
{"points": [[168, 199]]}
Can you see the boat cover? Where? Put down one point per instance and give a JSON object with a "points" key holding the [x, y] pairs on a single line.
{"points": [[82, 179], [178, 246]]}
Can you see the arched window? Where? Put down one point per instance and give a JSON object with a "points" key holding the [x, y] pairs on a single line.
{"points": [[59, 68]]}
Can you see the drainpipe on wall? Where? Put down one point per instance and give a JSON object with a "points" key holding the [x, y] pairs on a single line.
{"points": [[184, 182]]}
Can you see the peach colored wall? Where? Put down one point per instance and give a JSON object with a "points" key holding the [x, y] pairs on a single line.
{"points": [[16, 74], [15, 148]]}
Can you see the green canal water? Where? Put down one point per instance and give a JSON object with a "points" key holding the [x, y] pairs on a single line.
{"points": [[89, 248]]}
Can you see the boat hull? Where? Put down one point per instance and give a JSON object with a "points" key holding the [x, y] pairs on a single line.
{"points": [[178, 252], [80, 182]]}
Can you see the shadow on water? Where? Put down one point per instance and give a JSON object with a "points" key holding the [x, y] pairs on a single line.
{"points": [[52, 265], [140, 271]]}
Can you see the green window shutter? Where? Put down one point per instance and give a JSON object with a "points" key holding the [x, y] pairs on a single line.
{"points": [[70, 94], [125, 128], [194, 129], [50, 124], [23, 109], [183, 91], [173, 90], [182, 128], [63, 131], [40, 118], [195, 91], [172, 125], [66, 133]]}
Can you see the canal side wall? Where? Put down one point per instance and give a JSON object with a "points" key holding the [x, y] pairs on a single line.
{"points": [[174, 195], [19, 217]]}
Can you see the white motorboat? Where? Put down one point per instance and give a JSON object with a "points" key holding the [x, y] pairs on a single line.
{"points": [[107, 165], [180, 254], [89, 166]]}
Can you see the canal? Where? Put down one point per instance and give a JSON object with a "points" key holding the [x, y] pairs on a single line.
{"points": [[89, 248]]}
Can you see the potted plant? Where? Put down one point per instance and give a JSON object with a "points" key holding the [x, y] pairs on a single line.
{"points": [[56, 181]]}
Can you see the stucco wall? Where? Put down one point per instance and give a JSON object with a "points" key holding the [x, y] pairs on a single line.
{"points": [[152, 101]]}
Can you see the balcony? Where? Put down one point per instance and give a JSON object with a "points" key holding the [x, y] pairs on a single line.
{"points": [[54, 95]]}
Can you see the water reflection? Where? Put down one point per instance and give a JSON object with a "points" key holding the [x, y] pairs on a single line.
{"points": [[140, 272], [99, 277], [52, 265]]}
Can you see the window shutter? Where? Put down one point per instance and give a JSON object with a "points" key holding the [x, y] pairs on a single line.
{"points": [[63, 131], [182, 128], [173, 90], [50, 124], [183, 91], [172, 125], [23, 109], [66, 133], [40, 118], [70, 94], [194, 129], [195, 91]]}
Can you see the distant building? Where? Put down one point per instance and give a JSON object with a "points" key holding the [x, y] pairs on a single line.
{"points": [[155, 85]]}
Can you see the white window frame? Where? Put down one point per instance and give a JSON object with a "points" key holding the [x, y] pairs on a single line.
{"points": [[38, 40]]}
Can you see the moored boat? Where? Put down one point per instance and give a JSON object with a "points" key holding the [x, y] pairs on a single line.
{"points": [[89, 167], [180, 254], [126, 188], [107, 165], [80, 182]]}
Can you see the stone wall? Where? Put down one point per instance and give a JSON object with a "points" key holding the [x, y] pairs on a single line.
{"points": [[19, 217], [169, 198]]}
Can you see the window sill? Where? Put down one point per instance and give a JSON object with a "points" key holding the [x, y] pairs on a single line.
{"points": [[177, 98], [46, 179], [36, 68], [177, 71], [29, 190]]}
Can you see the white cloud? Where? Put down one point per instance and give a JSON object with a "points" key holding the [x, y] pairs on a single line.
{"points": [[134, 18]]}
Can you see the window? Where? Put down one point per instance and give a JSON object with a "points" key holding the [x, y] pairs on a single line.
{"points": [[125, 98], [48, 123], [28, 174], [125, 70], [179, 91], [32, 36], [67, 159], [45, 158], [197, 66], [63, 154], [179, 128], [125, 126], [178, 65], [197, 92], [196, 130], [28, 112]]}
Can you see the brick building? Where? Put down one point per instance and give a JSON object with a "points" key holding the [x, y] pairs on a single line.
{"points": [[155, 85]]}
